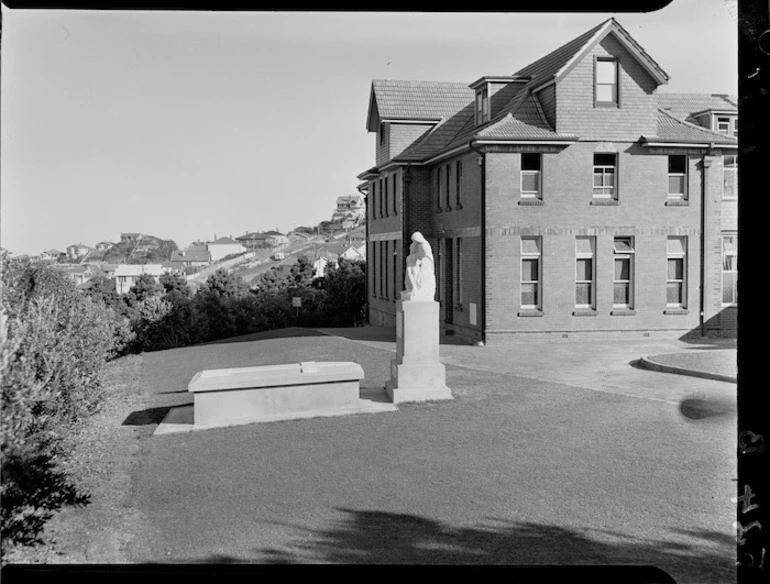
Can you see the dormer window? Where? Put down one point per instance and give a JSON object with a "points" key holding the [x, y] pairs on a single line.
{"points": [[606, 81], [723, 125], [482, 106]]}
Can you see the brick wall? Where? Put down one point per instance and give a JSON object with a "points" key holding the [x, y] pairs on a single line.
{"points": [[566, 213], [637, 114]]}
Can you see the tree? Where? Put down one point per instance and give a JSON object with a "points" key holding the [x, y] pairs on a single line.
{"points": [[345, 286], [224, 284], [302, 272], [102, 289], [144, 287], [175, 284]]}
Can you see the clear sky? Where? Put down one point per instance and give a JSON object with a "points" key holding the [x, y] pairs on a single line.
{"points": [[184, 125]]}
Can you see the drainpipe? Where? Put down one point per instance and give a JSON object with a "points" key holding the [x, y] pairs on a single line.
{"points": [[482, 161], [704, 187]]}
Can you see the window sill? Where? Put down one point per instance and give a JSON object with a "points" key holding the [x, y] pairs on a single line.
{"points": [[605, 202], [459, 307], [439, 210], [677, 203], [676, 311], [584, 312], [448, 209], [623, 312], [531, 312], [730, 305], [458, 206], [531, 202], [606, 104]]}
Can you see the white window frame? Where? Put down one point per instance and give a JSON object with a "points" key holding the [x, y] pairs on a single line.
{"points": [[525, 256], [624, 255], [603, 169], [733, 170], [584, 255], [615, 101], [683, 196], [733, 253], [720, 121], [538, 194], [682, 282], [482, 105]]}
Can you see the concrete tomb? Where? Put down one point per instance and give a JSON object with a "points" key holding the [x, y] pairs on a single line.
{"points": [[416, 374], [243, 395]]}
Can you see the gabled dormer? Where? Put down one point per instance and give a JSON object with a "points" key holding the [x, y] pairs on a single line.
{"points": [[492, 93], [601, 84]]}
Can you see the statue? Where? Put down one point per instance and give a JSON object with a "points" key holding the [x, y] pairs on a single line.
{"points": [[420, 278]]}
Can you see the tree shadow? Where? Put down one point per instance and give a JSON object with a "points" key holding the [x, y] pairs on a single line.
{"points": [[379, 537], [282, 333]]}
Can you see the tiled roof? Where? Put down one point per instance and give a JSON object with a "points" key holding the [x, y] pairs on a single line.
{"points": [[683, 105], [195, 254], [674, 130], [224, 240], [419, 100], [549, 65], [528, 122]]}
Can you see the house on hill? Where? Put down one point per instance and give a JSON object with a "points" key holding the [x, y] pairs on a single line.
{"points": [[568, 197], [52, 255], [224, 246], [127, 274], [194, 255], [77, 251], [103, 246]]}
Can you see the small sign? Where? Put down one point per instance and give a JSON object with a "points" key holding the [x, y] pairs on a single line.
{"points": [[296, 301]]}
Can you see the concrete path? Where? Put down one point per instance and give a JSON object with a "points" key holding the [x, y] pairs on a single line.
{"points": [[558, 452]]}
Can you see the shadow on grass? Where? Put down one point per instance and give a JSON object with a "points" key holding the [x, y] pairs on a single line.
{"points": [[378, 537], [146, 417], [267, 335]]}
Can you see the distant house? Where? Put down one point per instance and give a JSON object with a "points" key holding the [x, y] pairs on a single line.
{"points": [[127, 274], [224, 246], [52, 255], [294, 236], [78, 273], [77, 251], [276, 238], [103, 245], [266, 239], [196, 254], [130, 237]]}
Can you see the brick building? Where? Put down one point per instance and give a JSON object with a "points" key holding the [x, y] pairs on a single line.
{"points": [[569, 197]]}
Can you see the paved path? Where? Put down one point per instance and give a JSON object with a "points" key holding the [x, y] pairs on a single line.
{"points": [[556, 452]]}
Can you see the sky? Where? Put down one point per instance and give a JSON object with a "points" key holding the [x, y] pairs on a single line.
{"points": [[191, 125]]}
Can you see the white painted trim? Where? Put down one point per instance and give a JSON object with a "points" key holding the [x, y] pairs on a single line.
{"points": [[581, 53], [528, 142], [685, 145], [424, 122]]}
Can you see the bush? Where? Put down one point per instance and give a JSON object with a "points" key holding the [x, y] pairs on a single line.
{"points": [[53, 342]]}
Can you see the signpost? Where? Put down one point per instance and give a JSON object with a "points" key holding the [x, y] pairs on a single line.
{"points": [[296, 301]]}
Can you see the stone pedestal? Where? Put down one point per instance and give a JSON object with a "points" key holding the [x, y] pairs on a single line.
{"points": [[416, 373]]}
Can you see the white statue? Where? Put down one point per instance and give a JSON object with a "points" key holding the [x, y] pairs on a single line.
{"points": [[420, 278]]}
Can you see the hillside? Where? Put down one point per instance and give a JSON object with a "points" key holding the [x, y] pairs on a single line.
{"points": [[147, 250]]}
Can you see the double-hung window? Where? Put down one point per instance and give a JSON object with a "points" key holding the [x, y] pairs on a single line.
{"points": [[382, 198], [606, 85], [395, 198], [531, 291], [373, 203], [676, 279], [730, 177], [623, 283], [438, 187], [723, 125], [729, 269], [605, 171], [530, 176], [677, 177], [448, 194], [458, 183], [482, 106], [384, 188], [584, 273], [458, 271]]}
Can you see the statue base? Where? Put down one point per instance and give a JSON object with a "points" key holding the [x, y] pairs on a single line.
{"points": [[416, 374]]}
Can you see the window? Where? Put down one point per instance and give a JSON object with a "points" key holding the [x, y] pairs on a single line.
{"points": [[530, 272], [438, 187], [395, 271], [723, 125], [606, 75], [458, 180], [448, 191], [374, 199], [584, 272], [382, 214], [730, 177], [530, 176], [395, 198], [677, 177], [676, 279], [458, 271], [482, 106], [604, 176], [385, 270], [384, 189], [382, 133], [624, 273], [380, 260], [730, 269]]}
